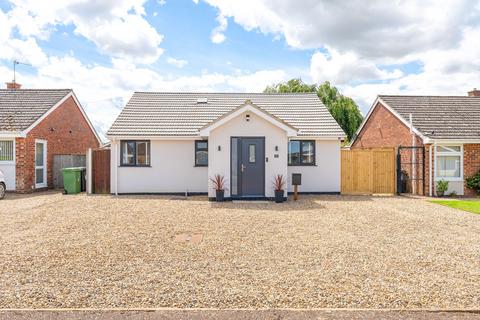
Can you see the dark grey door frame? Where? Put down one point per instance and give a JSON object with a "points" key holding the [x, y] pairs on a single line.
{"points": [[240, 193]]}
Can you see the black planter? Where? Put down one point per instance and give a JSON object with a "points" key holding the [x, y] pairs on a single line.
{"points": [[279, 196], [219, 195]]}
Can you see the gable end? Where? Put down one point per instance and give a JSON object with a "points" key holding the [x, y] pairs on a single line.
{"points": [[382, 128]]}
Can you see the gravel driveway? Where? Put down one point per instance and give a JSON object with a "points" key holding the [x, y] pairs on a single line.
{"points": [[320, 252]]}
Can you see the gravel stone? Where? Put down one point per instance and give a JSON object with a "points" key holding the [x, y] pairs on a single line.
{"points": [[78, 251]]}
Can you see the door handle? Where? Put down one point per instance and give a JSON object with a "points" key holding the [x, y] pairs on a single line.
{"points": [[242, 167]]}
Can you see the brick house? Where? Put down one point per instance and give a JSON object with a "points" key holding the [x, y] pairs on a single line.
{"points": [[448, 127], [35, 125]]}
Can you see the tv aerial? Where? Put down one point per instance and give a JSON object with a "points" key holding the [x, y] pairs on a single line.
{"points": [[15, 63]]}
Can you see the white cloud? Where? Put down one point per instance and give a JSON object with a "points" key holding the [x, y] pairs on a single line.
{"points": [[257, 81], [130, 37], [375, 28], [117, 28], [218, 35], [445, 72], [27, 51], [344, 68], [363, 45], [179, 63]]}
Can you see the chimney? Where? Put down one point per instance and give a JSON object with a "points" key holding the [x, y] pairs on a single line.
{"points": [[13, 85], [474, 93]]}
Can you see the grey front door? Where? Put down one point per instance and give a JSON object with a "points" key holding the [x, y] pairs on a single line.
{"points": [[250, 162]]}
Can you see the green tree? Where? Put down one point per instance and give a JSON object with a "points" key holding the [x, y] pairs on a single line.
{"points": [[293, 85], [343, 109]]}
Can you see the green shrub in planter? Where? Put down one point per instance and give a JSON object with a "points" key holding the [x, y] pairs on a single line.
{"points": [[474, 182], [442, 186]]}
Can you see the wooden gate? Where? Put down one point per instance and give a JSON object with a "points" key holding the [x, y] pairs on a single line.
{"points": [[368, 171], [101, 171]]}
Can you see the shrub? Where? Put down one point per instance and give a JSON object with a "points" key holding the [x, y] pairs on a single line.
{"points": [[474, 182], [442, 186], [219, 182], [279, 182]]}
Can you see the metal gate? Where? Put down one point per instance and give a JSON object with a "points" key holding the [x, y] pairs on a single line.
{"points": [[411, 170], [101, 171]]}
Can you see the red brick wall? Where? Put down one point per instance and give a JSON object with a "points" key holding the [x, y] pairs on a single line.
{"points": [[471, 163], [382, 130], [71, 134]]}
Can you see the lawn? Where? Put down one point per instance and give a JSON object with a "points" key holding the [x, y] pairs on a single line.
{"points": [[466, 205]]}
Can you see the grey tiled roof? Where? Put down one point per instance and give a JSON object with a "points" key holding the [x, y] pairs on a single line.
{"points": [[21, 108], [179, 114], [440, 117]]}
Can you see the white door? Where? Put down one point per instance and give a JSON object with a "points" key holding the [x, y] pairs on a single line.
{"points": [[40, 164]]}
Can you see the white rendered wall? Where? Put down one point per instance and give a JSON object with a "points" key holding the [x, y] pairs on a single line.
{"points": [[219, 161], [172, 170], [325, 175]]}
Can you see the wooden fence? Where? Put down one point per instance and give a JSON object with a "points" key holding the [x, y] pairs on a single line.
{"points": [[61, 161], [368, 171]]}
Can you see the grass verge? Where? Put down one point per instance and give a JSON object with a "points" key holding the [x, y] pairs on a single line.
{"points": [[465, 205]]}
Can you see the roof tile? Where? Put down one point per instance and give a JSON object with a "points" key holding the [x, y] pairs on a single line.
{"points": [[21, 108], [440, 117], [179, 114]]}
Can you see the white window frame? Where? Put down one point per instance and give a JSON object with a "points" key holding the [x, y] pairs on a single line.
{"points": [[439, 154], [14, 152], [45, 164]]}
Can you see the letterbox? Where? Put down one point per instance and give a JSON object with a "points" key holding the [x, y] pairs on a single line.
{"points": [[296, 179]]}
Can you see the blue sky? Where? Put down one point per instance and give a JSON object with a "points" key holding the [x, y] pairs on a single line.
{"points": [[106, 50]]}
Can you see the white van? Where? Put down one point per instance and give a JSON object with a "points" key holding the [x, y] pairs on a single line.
{"points": [[3, 187]]}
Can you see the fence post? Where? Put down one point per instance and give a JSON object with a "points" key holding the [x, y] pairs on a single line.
{"points": [[89, 171]]}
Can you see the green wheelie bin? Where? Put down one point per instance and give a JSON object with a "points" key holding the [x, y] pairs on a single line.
{"points": [[72, 180]]}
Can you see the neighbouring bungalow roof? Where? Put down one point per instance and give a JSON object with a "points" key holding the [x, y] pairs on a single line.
{"points": [[439, 117], [20, 108], [181, 114]]}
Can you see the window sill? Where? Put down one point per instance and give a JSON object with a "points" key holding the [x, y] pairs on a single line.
{"points": [[125, 166], [302, 165], [200, 165], [449, 179]]}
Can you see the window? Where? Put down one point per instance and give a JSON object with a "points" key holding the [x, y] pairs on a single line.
{"points": [[6, 150], [251, 153], [449, 162], [135, 153], [201, 153], [301, 153]]}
